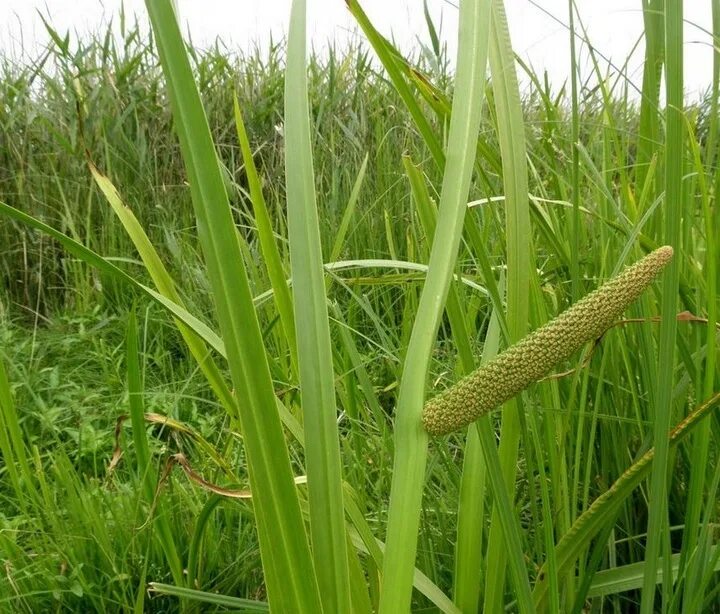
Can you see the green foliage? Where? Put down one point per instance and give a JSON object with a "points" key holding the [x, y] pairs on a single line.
{"points": [[180, 282]]}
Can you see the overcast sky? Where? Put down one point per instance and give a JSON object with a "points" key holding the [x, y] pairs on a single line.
{"points": [[614, 26]]}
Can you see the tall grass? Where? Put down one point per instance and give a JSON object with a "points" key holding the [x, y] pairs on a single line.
{"points": [[266, 260]]}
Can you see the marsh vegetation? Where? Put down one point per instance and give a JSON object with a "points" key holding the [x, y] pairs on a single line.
{"points": [[230, 281]]}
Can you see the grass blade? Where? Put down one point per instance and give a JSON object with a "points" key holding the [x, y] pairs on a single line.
{"points": [[630, 577], [226, 601], [288, 566], [511, 135], [410, 438], [348, 214], [657, 529], [270, 251], [166, 287], [394, 66], [468, 553], [101, 264], [146, 471], [12, 444], [694, 529], [317, 391]]}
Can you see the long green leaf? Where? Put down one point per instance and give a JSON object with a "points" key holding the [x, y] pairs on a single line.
{"points": [[649, 122], [146, 471], [366, 542], [394, 65], [270, 251], [349, 211], [287, 563], [12, 444], [692, 565], [410, 438], [166, 287], [226, 601], [317, 379], [630, 577], [511, 135], [657, 530], [102, 264], [468, 551]]}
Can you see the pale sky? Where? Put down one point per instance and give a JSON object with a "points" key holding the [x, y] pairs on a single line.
{"points": [[613, 27]]}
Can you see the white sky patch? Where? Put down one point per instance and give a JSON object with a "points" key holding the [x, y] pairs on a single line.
{"points": [[614, 28]]}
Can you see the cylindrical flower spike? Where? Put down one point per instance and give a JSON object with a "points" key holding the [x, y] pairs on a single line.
{"points": [[534, 356]]}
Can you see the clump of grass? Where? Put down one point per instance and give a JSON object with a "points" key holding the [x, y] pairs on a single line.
{"points": [[561, 509], [534, 356]]}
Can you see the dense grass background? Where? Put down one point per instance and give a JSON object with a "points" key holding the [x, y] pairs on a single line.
{"points": [[79, 537]]}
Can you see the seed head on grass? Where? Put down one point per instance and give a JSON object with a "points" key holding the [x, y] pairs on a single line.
{"points": [[534, 356]]}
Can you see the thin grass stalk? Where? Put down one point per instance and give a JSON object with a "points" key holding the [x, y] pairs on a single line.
{"points": [[711, 149], [649, 134], [12, 444], [410, 437], [468, 552], [147, 475], [349, 211], [657, 528], [399, 71], [194, 550], [361, 375], [359, 593], [547, 518], [287, 563], [8, 454], [317, 379], [575, 163], [507, 519], [629, 577], [589, 564], [554, 430], [427, 212], [511, 137], [590, 561], [225, 601], [694, 529], [271, 254], [611, 142], [470, 563]]}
